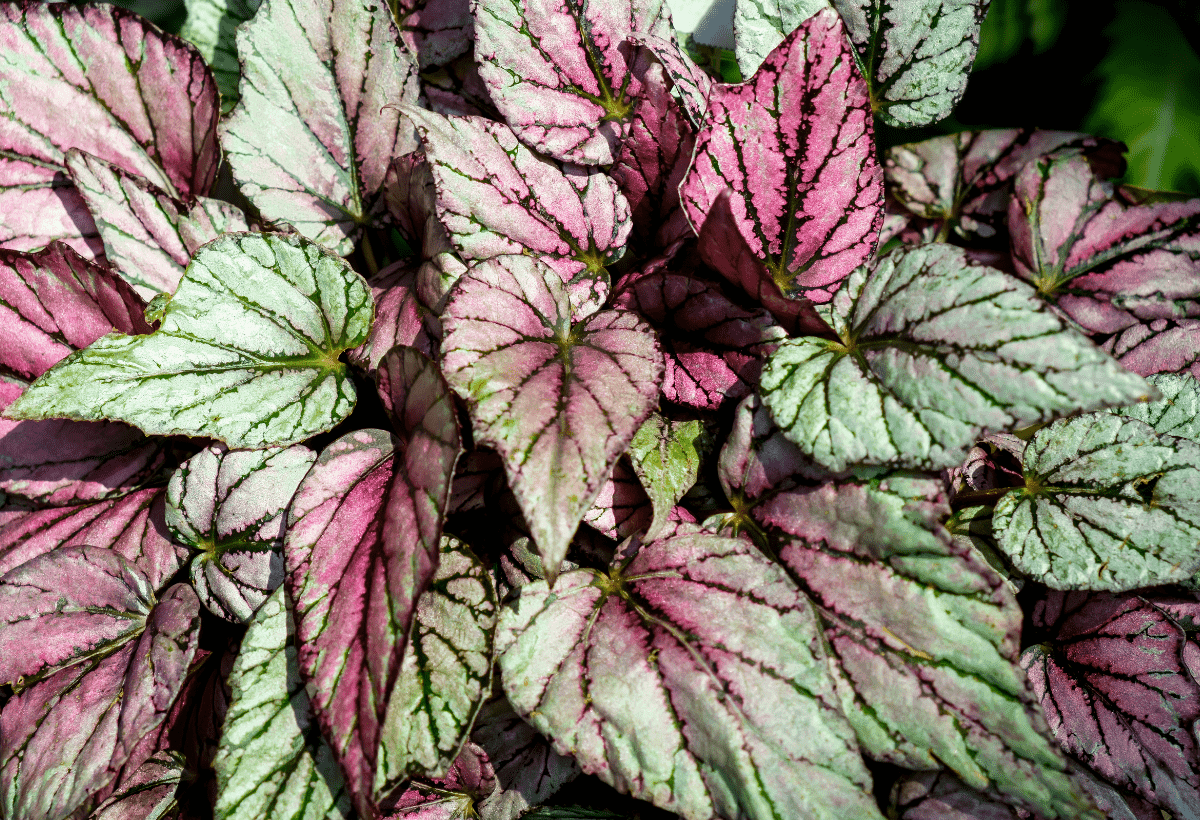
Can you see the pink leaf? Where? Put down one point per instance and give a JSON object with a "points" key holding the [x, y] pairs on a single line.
{"points": [[469, 780], [758, 458], [622, 507], [437, 31], [559, 402], [562, 73], [1160, 346], [400, 319], [108, 82], [794, 145]]}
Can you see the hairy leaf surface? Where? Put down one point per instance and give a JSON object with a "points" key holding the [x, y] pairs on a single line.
{"points": [[924, 634], [681, 677], [246, 352], [211, 26], [794, 145], [497, 197], [104, 80], [1108, 503], [562, 73], [559, 401], [317, 125], [231, 506], [271, 761], [1104, 261], [934, 350]]}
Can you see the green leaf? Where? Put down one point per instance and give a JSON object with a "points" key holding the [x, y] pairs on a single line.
{"points": [[210, 27], [271, 761], [935, 349], [1150, 98], [247, 352], [666, 456], [1177, 413], [1010, 24], [1108, 504]]}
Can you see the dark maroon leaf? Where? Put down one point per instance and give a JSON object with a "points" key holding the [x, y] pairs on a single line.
{"points": [[148, 794], [133, 526], [437, 31], [94, 714], [104, 80], [1107, 263], [452, 797], [457, 90], [1117, 680], [794, 145], [54, 302]]}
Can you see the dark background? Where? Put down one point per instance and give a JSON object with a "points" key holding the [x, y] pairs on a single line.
{"points": [[1124, 69]]}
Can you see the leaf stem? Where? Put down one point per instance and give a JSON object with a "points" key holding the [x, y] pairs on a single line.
{"points": [[369, 255]]}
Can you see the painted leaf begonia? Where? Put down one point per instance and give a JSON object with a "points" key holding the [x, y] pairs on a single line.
{"points": [[451, 796], [148, 794], [559, 401], [681, 677], [271, 761], [1108, 504], [496, 197], [924, 634], [101, 79], [562, 72], [400, 318], [246, 352], [148, 235], [934, 349], [1104, 261], [622, 507], [316, 127], [231, 506], [446, 673], [1176, 412], [1158, 346], [437, 31], [1117, 678], [794, 146], [94, 714], [211, 26]]}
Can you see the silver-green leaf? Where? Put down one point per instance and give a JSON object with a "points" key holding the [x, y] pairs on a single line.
{"points": [[247, 352]]}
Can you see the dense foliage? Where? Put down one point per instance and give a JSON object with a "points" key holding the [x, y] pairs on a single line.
{"points": [[448, 410]]}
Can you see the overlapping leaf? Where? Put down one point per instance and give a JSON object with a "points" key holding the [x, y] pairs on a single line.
{"points": [[211, 26], [437, 31], [622, 507], [757, 457], [453, 796], [497, 197], [456, 90], [446, 673], [923, 633], [1104, 261], [1160, 346], [94, 714], [1117, 680], [148, 235], [681, 677], [108, 82], [312, 136], [1108, 503], [231, 506], [271, 761], [933, 350], [1176, 412], [559, 401], [132, 526], [794, 146], [562, 73], [666, 457], [400, 319], [148, 794], [246, 352]]}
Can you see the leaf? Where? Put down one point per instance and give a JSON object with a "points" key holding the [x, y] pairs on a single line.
{"points": [[149, 794], [400, 319], [1102, 260], [94, 714], [362, 545], [456, 90], [622, 507], [757, 457], [666, 457], [446, 673], [934, 350], [924, 636], [562, 74], [559, 402], [106, 81], [1115, 683], [246, 353], [1107, 504], [497, 197], [527, 768], [1147, 96], [806, 191], [1177, 413], [680, 679], [271, 761], [316, 127], [690, 85], [149, 235], [758, 27], [452, 797], [54, 301], [132, 526], [231, 506], [210, 26], [55, 462], [437, 31], [1161, 346], [963, 181]]}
